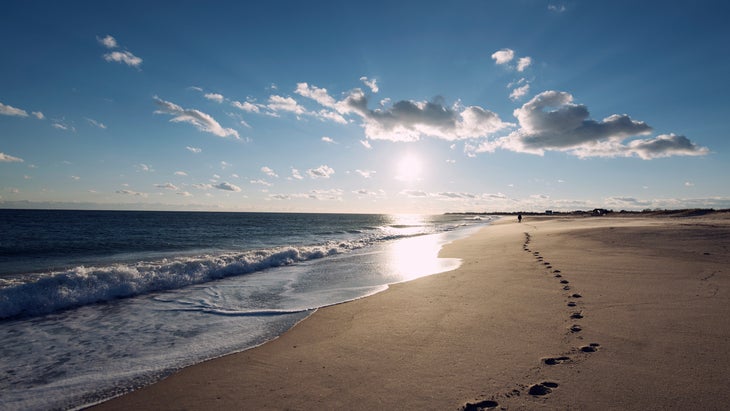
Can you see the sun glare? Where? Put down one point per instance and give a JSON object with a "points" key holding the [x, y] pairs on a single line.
{"points": [[409, 168]]}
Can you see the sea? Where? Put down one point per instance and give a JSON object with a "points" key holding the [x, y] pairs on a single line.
{"points": [[94, 304]]}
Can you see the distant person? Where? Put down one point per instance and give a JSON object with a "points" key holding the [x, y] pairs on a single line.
{"points": [[519, 217]]}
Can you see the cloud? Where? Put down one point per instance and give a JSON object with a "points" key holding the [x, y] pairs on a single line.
{"points": [[408, 120], [519, 92], [269, 172], [143, 167], [551, 121], [181, 173], [328, 140], [195, 150], [38, 115], [227, 187], [225, 164], [184, 193], [296, 175], [689, 184], [557, 8], [131, 193], [215, 97], [372, 84], [261, 182], [108, 42], [331, 195], [366, 144], [279, 103], [317, 94], [167, 186], [6, 158], [7, 110], [503, 56], [125, 57], [246, 106], [322, 171], [96, 123], [200, 120], [523, 63], [365, 173], [414, 193]]}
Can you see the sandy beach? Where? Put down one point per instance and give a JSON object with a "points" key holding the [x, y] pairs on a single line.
{"points": [[584, 313]]}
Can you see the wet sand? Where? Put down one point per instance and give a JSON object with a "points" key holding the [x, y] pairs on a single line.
{"points": [[552, 313]]}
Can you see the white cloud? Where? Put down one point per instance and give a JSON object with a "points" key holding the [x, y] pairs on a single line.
{"points": [[195, 150], [689, 184], [12, 111], [214, 96], [6, 158], [269, 172], [503, 56], [519, 92], [322, 171], [558, 8], [167, 186], [331, 195], [125, 57], [414, 193], [108, 42], [184, 193], [328, 140], [551, 121], [317, 94], [227, 187], [39, 115], [200, 120], [77, 178], [372, 84], [225, 164], [279, 103], [411, 120], [203, 186], [261, 182], [366, 144], [523, 63], [296, 175], [143, 167], [246, 106], [365, 173], [181, 173]]}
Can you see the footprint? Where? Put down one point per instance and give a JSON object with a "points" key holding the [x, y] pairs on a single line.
{"points": [[542, 388], [576, 316], [572, 304], [556, 271], [555, 360], [564, 281], [576, 295], [566, 288], [481, 405], [558, 275], [576, 328], [592, 347]]}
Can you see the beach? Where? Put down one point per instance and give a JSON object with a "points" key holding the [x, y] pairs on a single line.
{"points": [[565, 312]]}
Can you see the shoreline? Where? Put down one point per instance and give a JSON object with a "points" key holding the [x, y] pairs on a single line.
{"points": [[499, 328]]}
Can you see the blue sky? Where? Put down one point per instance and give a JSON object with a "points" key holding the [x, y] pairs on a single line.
{"points": [[392, 106]]}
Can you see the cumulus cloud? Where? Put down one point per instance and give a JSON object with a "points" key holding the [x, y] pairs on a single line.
{"points": [[38, 115], [6, 158], [323, 171], [320, 95], [552, 122], [365, 173], [8, 110], [408, 120], [184, 193], [108, 42], [181, 173], [246, 106], [503, 56], [200, 120], [328, 140], [131, 193], [279, 103], [523, 63], [331, 195], [227, 187], [295, 174], [218, 98]]}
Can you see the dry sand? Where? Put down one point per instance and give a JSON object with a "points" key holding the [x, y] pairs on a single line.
{"points": [[654, 302]]}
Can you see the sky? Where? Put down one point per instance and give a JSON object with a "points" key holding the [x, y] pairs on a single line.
{"points": [[368, 107]]}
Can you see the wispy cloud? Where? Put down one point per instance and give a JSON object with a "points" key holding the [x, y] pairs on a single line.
{"points": [[6, 158], [269, 172], [194, 150], [372, 84], [519, 92], [328, 140], [365, 173], [296, 175], [131, 193], [96, 123], [200, 120], [167, 186]]}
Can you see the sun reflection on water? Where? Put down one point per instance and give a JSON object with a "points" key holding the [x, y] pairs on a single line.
{"points": [[416, 257]]}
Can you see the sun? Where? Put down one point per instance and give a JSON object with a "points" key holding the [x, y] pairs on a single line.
{"points": [[409, 168]]}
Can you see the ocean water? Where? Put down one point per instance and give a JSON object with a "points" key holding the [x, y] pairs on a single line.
{"points": [[94, 304]]}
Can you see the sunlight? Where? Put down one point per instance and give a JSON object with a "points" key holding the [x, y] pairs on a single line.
{"points": [[409, 168], [416, 257]]}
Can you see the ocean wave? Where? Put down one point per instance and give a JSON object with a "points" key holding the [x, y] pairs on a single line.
{"points": [[55, 291]]}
